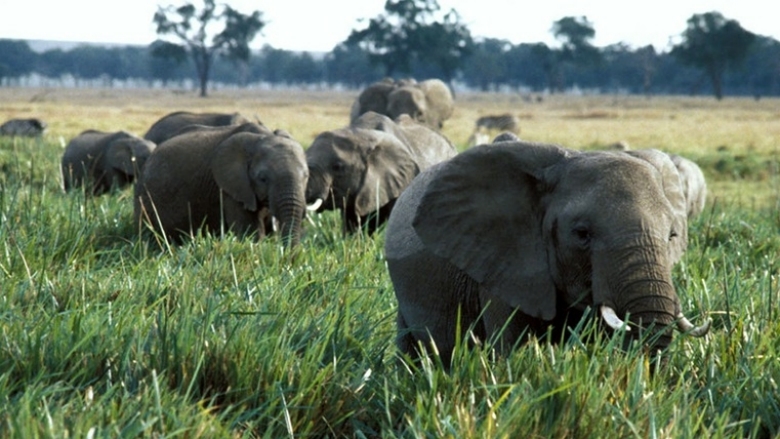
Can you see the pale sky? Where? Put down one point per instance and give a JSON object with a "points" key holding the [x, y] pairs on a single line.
{"points": [[318, 25]]}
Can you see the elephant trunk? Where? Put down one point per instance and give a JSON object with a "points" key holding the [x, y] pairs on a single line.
{"points": [[637, 282], [289, 208]]}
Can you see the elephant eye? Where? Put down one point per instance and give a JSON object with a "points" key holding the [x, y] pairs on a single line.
{"points": [[672, 235], [582, 234], [338, 167]]}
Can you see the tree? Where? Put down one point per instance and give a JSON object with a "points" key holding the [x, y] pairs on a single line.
{"points": [[488, 64], [406, 33], [350, 65], [17, 60], [714, 44], [191, 27], [575, 34], [165, 60]]}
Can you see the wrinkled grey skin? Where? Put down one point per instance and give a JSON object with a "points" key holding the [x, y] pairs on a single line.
{"points": [[237, 178], [694, 184], [170, 125], [363, 168], [540, 231], [31, 127], [429, 102], [97, 161]]}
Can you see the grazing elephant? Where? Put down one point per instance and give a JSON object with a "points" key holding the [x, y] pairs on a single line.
{"points": [[239, 177], [363, 168], [97, 160], [513, 238], [23, 127], [170, 124], [429, 102], [694, 184]]}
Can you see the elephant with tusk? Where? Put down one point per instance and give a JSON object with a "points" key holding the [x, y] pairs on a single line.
{"points": [[245, 178], [363, 168], [514, 238]]}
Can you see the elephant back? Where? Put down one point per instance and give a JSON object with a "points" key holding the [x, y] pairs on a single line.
{"points": [[169, 125]]}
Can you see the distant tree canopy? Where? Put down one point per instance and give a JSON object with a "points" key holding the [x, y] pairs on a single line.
{"points": [[17, 60], [190, 27], [491, 64], [714, 44], [406, 34]]}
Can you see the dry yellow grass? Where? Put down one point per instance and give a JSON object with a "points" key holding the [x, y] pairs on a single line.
{"points": [[693, 126]]}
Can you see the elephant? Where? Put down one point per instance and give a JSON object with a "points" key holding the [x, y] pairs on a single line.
{"points": [[31, 127], [241, 178], [429, 102], [170, 125], [97, 161], [361, 169], [374, 97], [694, 184], [514, 239]]}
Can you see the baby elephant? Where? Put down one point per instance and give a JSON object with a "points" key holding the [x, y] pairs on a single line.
{"points": [[23, 127], [236, 178], [96, 160]]}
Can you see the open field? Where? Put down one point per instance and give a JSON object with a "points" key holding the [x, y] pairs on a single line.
{"points": [[105, 334]]}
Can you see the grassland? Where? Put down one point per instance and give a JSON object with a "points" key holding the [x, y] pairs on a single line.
{"points": [[107, 334]]}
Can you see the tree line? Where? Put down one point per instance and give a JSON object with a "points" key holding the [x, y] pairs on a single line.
{"points": [[412, 38]]}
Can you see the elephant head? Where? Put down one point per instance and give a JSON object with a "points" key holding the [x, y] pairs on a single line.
{"points": [[363, 168], [532, 235], [98, 160], [429, 102], [265, 174]]}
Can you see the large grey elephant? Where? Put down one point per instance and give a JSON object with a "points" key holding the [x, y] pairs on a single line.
{"points": [[363, 168], [97, 161], [429, 102], [694, 184], [170, 124], [530, 235], [30, 127], [240, 178]]}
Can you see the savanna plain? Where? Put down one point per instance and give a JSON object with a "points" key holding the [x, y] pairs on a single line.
{"points": [[108, 332]]}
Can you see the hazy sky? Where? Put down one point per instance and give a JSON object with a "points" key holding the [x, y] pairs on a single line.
{"points": [[317, 25]]}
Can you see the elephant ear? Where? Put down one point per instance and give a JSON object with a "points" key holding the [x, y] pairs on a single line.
{"points": [[127, 153], [230, 168], [482, 212], [390, 168], [673, 189]]}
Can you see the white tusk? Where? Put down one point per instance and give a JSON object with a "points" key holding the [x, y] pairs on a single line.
{"points": [[274, 224], [315, 205], [684, 325], [614, 322]]}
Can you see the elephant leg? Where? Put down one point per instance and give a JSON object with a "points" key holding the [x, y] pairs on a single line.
{"points": [[438, 304], [505, 325], [238, 219]]}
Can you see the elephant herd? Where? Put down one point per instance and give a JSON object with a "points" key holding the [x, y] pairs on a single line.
{"points": [[505, 240]]}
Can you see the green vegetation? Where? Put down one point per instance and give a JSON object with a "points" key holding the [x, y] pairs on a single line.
{"points": [[105, 333]]}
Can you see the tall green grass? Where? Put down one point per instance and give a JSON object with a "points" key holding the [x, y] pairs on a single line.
{"points": [[108, 333]]}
